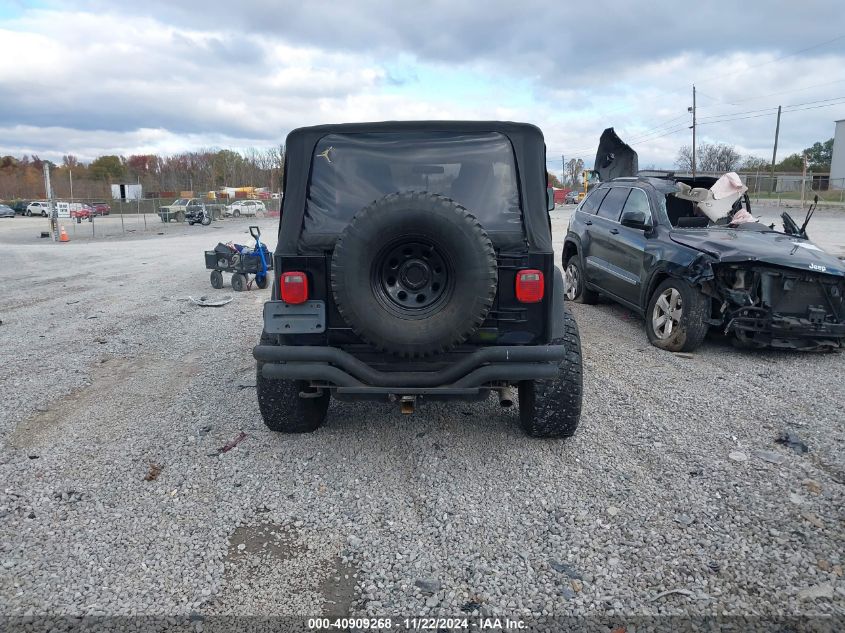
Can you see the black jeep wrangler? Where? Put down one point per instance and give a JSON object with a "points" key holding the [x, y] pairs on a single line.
{"points": [[415, 261]]}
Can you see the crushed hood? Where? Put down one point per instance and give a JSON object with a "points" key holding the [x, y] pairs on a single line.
{"points": [[754, 245], [615, 159]]}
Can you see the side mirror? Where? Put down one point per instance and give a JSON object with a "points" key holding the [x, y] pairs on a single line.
{"points": [[634, 220], [550, 199]]}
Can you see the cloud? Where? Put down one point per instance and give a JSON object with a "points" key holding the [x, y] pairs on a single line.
{"points": [[126, 77]]}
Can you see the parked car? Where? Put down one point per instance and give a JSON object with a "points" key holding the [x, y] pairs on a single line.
{"points": [[411, 276], [82, 212], [571, 197], [39, 207], [652, 245], [100, 208], [176, 210], [20, 206], [245, 207], [6, 211]]}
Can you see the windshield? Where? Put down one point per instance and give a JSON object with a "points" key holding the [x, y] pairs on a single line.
{"points": [[181, 201], [349, 171]]}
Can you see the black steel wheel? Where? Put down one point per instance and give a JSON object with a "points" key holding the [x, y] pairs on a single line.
{"points": [[216, 279], [262, 282], [411, 275]]}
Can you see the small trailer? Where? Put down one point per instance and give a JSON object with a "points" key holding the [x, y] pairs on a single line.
{"points": [[241, 263]]}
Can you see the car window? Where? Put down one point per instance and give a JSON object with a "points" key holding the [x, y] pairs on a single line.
{"points": [[611, 206], [350, 171], [638, 201], [593, 200]]}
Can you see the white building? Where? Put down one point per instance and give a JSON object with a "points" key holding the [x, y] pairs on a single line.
{"points": [[837, 163]]}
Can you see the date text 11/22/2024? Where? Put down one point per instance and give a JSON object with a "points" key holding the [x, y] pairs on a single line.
{"points": [[411, 624]]}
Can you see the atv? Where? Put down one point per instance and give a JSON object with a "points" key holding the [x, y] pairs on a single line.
{"points": [[415, 262]]}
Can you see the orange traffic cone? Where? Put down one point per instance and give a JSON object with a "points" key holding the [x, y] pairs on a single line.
{"points": [[63, 237]]}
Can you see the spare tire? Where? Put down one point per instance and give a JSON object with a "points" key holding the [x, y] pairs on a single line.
{"points": [[414, 274]]}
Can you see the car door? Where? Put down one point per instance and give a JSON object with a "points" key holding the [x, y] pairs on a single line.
{"points": [[583, 221], [628, 253], [605, 227]]}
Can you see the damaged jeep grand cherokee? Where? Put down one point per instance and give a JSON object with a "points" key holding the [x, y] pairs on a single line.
{"points": [[688, 255], [414, 262]]}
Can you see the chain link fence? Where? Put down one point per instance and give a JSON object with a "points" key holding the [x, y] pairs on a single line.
{"points": [[791, 187], [99, 217]]}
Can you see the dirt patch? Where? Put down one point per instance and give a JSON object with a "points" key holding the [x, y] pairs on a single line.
{"points": [[110, 378], [274, 570]]}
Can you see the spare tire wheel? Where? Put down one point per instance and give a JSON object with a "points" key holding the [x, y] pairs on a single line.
{"points": [[414, 274]]}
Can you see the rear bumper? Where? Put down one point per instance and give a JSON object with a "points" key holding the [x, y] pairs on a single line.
{"points": [[466, 377]]}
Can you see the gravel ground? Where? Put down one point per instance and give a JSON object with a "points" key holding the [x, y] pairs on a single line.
{"points": [[672, 499]]}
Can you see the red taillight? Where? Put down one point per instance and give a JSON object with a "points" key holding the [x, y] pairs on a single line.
{"points": [[294, 287], [529, 286]]}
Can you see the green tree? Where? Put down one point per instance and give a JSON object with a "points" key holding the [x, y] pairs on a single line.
{"points": [[819, 155], [793, 162], [552, 180], [107, 168]]}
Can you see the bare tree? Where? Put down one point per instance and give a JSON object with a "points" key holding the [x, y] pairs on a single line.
{"points": [[709, 157], [574, 167]]}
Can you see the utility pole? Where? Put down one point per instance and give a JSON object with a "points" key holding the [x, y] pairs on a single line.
{"points": [[562, 171], [692, 109], [54, 216], [803, 177], [775, 152], [70, 176]]}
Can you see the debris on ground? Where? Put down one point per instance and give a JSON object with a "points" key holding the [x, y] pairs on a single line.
{"points": [[233, 442], [738, 456], [789, 439], [242, 387], [663, 594], [207, 302], [205, 430], [153, 473], [684, 355]]}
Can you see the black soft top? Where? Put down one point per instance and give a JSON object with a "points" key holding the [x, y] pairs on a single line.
{"points": [[529, 153]]}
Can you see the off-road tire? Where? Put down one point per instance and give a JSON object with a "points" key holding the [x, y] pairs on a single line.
{"points": [[216, 279], [692, 327], [282, 409], [238, 282], [583, 294], [552, 408], [448, 251]]}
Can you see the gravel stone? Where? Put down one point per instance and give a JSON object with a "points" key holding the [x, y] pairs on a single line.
{"points": [[454, 494]]}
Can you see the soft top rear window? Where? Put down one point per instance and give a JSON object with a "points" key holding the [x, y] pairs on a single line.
{"points": [[349, 171]]}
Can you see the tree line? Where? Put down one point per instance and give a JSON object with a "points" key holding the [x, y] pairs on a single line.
{"points": [[203, 170], [719, 157]]}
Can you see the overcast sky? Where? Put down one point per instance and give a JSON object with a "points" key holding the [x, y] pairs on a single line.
{"points": [[121, 76]]}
